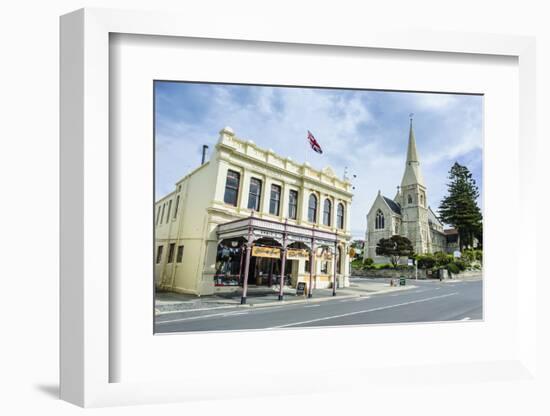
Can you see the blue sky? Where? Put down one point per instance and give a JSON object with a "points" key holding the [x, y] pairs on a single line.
{"points": [[366, 131]]}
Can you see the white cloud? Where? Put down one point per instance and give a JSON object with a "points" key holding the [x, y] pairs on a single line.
{"points": [[372, 147]]}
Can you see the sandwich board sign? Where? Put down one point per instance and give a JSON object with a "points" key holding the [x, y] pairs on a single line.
{"points": [[300, 288]]}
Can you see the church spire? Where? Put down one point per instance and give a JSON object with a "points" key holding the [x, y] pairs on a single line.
{"points": [[412, 173], [412, 155]]}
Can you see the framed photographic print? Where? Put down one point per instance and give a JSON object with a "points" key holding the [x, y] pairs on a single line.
{"points": [[234, 204]]}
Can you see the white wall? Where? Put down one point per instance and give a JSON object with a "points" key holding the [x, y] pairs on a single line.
{"points": [[29, 212]]}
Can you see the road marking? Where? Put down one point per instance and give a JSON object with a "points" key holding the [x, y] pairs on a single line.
{"points": [[365, 311], [311, 306], [466, 319], [235, 313], [202, 316]]}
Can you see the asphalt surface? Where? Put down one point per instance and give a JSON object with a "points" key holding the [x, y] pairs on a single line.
{"points": [[430, 301]]}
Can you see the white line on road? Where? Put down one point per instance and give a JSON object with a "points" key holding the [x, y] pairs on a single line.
{"points": [[203, 316], [364, 311], [466, 319], [235, 313], [311, 306]]}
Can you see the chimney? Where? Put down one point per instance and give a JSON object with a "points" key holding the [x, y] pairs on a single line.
{"points": [[204, 149]]}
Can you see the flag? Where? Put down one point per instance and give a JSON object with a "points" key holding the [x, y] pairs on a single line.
{"points": [[313, 143]]}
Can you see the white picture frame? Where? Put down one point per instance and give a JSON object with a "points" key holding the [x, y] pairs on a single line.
{"points": [[86, 291]]}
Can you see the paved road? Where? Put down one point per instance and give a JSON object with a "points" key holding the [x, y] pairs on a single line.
{"points": [[430, 301]]}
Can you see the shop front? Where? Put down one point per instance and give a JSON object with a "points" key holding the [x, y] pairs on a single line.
{"points": [[259, 252]]}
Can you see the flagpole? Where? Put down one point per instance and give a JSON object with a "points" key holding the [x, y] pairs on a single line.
{"points": [[305, 150]]}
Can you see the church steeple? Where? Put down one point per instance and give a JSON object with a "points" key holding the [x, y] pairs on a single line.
{"points": [[412, 175]]}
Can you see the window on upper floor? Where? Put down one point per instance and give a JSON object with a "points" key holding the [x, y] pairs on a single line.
{"points": [[159, 253], [158, 215], [177, 206], [409, 199], [179, 256], [379, 220], [232, 187], [340, 216], [292, 204], [171, 249], [312, 209], [421, 199], [162, 214], [254, 194], [275, 200], [327, 212], [169, 209]]}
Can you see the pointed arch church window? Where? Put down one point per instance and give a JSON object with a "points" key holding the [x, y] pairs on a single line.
{"points": [[379, 220], [410, 199]]}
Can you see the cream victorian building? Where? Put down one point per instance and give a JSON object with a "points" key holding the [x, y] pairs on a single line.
{"points": [[251, 217]]}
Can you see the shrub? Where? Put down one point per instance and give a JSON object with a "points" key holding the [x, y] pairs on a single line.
{"points": [[452, 268], [472, 255], [357, 264], [479, 255], [461, 264], [442, 259], [369, 261], [404, 267], [386, 266], [426, 261]]}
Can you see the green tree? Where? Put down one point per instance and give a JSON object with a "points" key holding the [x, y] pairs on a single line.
{"points": [[394, 247], [459, 208]]}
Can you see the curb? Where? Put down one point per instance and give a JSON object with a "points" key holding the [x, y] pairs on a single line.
{"points": [[285, 302]]}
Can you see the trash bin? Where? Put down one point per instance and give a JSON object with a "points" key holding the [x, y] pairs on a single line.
{"points": [[402, 281]]}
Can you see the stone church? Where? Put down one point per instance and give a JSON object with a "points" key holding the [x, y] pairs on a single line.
{"points": [[407, 214]]}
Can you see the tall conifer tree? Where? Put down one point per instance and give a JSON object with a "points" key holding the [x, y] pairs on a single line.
{"points": [[459, 208]]}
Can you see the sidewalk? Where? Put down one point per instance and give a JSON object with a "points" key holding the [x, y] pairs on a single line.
{"points": [[167, 302]]}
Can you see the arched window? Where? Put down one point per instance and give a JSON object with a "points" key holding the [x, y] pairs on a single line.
{"points": [[312, 209], [327, 212], [379, 220], [340, 216], [410, 199], [421, 199]]}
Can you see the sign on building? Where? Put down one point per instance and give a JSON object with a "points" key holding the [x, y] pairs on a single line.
{"points": [[269, 252], [297, 253]]}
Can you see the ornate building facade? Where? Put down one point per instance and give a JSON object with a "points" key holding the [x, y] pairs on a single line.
{"points": [[251, 217]]}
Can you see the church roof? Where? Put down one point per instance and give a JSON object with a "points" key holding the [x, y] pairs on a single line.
{"points": [[395, 207], [433, 218], [412, 175]]}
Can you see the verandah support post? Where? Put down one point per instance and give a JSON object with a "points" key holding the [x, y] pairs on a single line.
{"points": [[283, 262], [335, 259], [281, 288], [311, 263], [249, 243]]}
